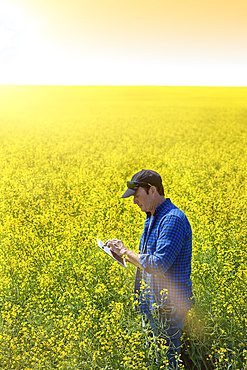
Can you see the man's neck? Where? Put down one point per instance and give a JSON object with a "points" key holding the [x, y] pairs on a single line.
{"points": [[159, 201]]}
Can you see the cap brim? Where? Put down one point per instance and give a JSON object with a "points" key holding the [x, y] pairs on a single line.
{"points": [[129, 192]]}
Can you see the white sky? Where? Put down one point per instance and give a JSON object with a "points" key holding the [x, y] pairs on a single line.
{"points": [[28, 56]]}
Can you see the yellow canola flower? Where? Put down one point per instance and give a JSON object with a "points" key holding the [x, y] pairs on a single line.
{"points": [[65, 156]]}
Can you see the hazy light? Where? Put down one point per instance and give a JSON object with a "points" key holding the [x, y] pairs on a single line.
{"points": [[29, 57], [17, 40]]}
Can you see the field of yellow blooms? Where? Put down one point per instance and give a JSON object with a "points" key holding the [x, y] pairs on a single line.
{"points": [[65, 156]]}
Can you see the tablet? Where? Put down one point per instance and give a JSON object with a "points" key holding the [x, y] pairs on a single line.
{"points": [[114, 255]]}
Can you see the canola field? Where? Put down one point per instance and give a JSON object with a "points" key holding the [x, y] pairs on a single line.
{"points": [[65, 156]]}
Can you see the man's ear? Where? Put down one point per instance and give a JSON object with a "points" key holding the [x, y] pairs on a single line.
{"points": [[153, 190]]}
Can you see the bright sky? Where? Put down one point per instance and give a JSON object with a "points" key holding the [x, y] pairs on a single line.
{"points": [[123, 42]]}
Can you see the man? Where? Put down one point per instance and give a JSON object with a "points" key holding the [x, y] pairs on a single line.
{"points": [[162, 286]]}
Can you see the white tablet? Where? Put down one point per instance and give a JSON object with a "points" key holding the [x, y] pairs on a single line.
{"points": [[114, 255]]}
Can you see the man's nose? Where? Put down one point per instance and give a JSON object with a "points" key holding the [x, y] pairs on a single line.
{"points": [[135, 201]]}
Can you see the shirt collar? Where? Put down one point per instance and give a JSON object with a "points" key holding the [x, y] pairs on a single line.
{"points": [[161, 207]]}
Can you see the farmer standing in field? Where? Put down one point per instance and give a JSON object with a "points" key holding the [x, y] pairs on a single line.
{"points": [[163, 286]]}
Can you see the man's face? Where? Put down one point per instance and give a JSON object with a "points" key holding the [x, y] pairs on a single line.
{"points": [[143, 200]]}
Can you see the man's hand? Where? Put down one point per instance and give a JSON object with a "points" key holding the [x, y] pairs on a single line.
{"points": [[118, 247]]}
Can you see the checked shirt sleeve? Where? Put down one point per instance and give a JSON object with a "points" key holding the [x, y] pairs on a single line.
{"points": [[170, 240]]}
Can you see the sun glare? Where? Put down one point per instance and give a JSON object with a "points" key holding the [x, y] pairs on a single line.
{"points": [[13, 25], [19, 42], [6, 37], [33, 52]]}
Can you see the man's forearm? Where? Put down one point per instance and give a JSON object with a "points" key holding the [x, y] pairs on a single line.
{"points": [[133, 258]]}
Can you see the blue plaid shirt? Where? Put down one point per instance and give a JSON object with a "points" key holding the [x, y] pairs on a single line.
{"points": [[166, 251]]}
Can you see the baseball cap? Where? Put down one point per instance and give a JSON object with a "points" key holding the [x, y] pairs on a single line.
{"points": [[142, 178]]}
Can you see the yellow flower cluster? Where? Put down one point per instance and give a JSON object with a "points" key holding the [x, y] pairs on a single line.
{"points": [[65, 156]]}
